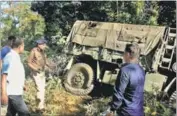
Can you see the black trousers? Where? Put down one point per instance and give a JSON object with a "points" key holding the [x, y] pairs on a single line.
{"points": [[16, 105]]}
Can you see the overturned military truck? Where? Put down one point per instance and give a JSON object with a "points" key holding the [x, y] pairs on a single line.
{"points": [[96, 50]]}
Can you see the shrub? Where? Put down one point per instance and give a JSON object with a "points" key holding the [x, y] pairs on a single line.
{"points": [[59, 102]]}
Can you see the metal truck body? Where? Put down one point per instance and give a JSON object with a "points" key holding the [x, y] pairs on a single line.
{"points": [[96, 51]]}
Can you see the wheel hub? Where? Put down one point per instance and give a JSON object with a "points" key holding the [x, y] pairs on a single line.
{"points": [[78, 80]]}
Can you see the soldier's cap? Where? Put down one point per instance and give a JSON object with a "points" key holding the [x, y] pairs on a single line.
{"points": [[41, 41]]}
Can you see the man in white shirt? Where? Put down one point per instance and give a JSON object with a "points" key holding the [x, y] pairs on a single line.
{"points": [[13, 78]]}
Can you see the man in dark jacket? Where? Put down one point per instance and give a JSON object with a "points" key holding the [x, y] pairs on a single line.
{"points": [[128, 95]]}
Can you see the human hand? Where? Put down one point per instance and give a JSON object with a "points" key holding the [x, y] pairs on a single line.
{"points": [[110, 114], [4, 99], [25, 88]]}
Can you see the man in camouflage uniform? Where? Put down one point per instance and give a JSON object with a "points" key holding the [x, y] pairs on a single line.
{"points": [[37, 62]]}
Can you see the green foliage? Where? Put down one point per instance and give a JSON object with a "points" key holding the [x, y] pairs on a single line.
{"points": [[60, 16], [167, 13], [58, 101], [18, 19], [55, 19], [154, 107], [96, 106], [24, 57]]}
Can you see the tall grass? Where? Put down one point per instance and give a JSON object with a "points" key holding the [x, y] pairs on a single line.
{"points": [[61, 103]]}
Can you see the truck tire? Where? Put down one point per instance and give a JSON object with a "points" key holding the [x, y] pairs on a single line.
{"points": [[79, 92], [172, 100], [79, 79]]}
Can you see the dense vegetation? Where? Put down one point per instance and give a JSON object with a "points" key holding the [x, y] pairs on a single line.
{"points": [[32, 20], [66, 104], [56, 18], [59, 16]]}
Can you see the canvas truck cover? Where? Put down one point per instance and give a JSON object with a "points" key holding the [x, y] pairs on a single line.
{"points": [[115, 36]]}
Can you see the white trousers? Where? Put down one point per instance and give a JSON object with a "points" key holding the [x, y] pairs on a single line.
{"points": [[39, 80]]}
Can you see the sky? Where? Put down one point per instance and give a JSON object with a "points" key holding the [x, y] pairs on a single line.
{"points": [[4, 5]]}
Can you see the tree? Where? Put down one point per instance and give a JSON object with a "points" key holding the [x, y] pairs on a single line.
{"points": [[167, 13], [18, 19], [60, 16]]}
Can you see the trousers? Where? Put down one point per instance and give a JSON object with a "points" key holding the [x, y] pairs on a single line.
{"points": [[16, 105], [39, 79]]}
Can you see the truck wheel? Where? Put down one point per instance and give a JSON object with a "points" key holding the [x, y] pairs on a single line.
{"points": [[76, 91], [79, 79], [172, 100]]}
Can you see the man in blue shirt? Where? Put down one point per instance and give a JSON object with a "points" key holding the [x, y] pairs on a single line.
{"points": [[128, 95], [13, 79], [6, 49]]}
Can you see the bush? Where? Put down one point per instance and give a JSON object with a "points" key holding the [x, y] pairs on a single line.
{"points": [[58, 101]]}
